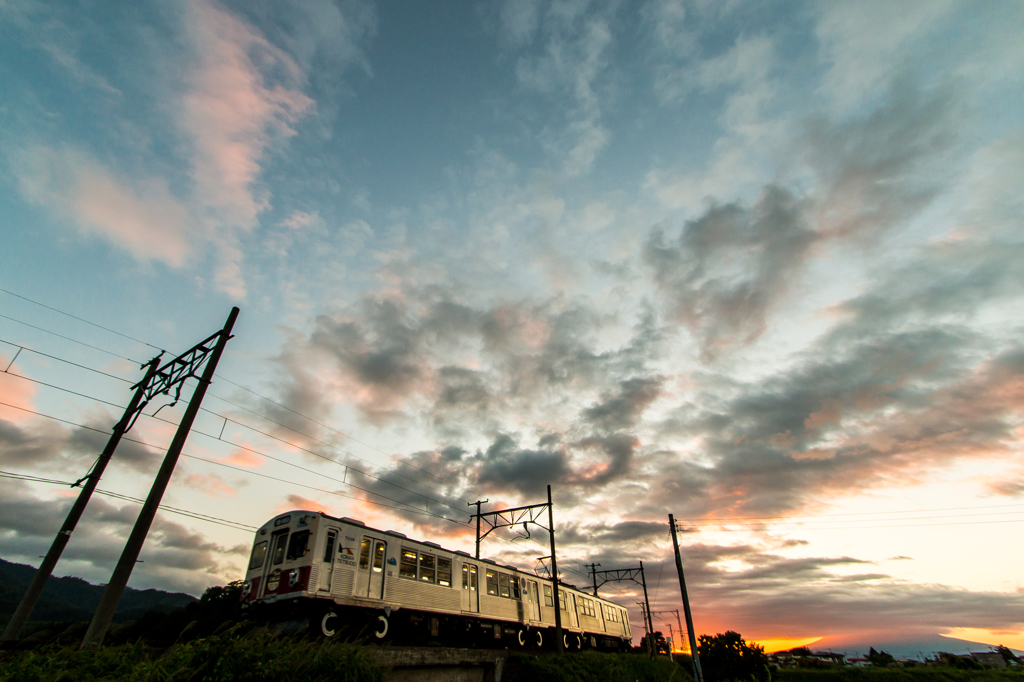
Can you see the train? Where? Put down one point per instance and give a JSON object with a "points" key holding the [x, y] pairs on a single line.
{"points": [[339, 575]]}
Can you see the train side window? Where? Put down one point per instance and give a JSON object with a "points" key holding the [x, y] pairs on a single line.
{"points": [[378, 557], [465, 577], [516, 594], [297, 545], [548, 601], [259, 555], [364, 553], [561, 600], [428, 568], [444, 571], [503, 589], [407, 568], [329, 548], [492, 583]]}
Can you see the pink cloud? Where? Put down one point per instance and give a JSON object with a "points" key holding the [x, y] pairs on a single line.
{"points": [[232, 112], [210, 484], [15, 392], [140, 215]]}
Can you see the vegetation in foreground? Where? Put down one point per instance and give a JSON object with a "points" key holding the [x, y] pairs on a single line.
{"points": [[591, 666], [255, 657]]}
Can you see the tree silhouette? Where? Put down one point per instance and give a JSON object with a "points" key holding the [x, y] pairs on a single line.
{"points": [[727, 657]]}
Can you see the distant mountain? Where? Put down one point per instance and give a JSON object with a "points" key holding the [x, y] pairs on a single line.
{"points": [[70, 599]]}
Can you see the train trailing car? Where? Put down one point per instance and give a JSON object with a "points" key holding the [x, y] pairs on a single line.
{"points": [[343, 576]]}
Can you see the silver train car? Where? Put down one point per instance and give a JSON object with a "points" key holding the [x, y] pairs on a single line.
{"points": [[345, 577]]}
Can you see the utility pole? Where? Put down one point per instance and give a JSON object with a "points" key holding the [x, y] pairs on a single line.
{"points": [[593, 576], [650, 623], [122, 572], [35, 588], [559, 644], [477, 503], [698, 676]]}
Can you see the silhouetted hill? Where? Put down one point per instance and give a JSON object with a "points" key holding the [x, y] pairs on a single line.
{"points": [[71, 599]]}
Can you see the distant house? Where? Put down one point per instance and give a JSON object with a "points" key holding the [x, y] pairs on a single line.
{"points": [[988, 659]]}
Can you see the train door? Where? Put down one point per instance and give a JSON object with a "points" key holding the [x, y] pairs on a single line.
{"points": [[327, 568], [533, 599], [370, 576], [277, 546], [569, 607], [470, 591]]}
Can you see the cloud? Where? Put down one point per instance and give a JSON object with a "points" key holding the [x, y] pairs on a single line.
{"points": [[174, 557], [729, 268], [569, 59], [876, 173], [140, 216], [866, 46]]}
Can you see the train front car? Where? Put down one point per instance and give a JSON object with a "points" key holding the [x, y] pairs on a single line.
{"points": [[341, 576], [281, 563]]}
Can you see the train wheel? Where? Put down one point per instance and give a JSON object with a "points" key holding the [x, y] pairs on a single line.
{"points": [[579, 643], [382, 627], [325, 624], [521, 638], [540, 639]]}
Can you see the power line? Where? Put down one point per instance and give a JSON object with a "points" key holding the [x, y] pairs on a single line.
{"points": [[262, 454], [68, 362], [713, 522], [175, 510], [68, 338], [333, 461], [61, 388], [262, 416], [82, 319], [341, 433], [407, 508]]}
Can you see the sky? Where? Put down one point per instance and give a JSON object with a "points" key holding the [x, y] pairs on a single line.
{"points": [[754, 264]]}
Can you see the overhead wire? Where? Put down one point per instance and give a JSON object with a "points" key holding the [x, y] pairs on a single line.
{"points": [[128, 498], [81, 319], [717, 527], [407, 508], [68, 362], [68, 338], [257, 414], [341, 433]]}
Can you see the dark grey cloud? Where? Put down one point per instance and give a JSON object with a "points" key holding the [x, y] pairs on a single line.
{"points": [[731, 268], [70, 451], [623, 409], [728, 269], [506, 465], [174, 557]]}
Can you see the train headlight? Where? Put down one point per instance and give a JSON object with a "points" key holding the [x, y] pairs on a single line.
{"points": [[246, 588], [293, 578]]}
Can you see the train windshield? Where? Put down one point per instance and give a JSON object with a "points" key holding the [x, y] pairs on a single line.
{"points": [[259, 554]]}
